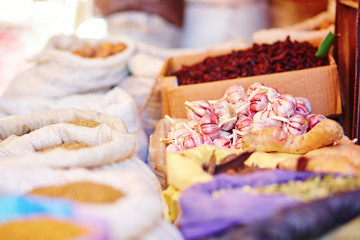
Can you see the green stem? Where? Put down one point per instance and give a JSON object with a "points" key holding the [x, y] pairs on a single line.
{"points": [[326, 45]]}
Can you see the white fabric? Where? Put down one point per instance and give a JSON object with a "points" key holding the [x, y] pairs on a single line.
{"points": [[144, 65], [59, 72], [302, 31], [22, 124], [165, 230], [131, 217], [115, 102], [105, 141], [135, 164], [144, 27], [111, 139]]}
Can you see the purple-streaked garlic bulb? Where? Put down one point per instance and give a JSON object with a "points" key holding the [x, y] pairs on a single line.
{"points": [[258, 103], [242, 108], [297, 125], [226, 114], [197, 109], [267, 118], [234, 93], [284, 106], [192, 124], [280, 134], [253, 87], [208, 125], [243, 124], [255, 126], [238, 144], [303, 106], [172, 148], [193, 140], [272, 93], [222, 142], [176, 126], [178, 133], [314, 119], [224, 133]]}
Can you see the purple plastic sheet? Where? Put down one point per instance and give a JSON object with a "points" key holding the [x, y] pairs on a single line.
{"points": [[204, 215]]}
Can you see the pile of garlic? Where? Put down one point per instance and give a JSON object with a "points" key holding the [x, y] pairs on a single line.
{"points": [[223, 122]]}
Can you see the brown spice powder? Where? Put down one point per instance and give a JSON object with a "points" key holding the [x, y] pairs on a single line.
{"points": [[81, 191], [102, 50], [84, 123], [68, 146], [40, 229]]}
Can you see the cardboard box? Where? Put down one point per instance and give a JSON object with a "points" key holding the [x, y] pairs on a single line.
{"points": [[320, 85]]}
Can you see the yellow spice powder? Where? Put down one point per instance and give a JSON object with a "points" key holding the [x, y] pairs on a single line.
{"points": [[81, 191], [40, 229]]}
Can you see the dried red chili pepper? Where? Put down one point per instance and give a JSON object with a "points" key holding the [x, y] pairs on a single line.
{"points": [[260, 59]]}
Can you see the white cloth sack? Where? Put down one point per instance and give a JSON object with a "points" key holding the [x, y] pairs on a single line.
{"points": [[59, 72], [137, 215], [144, 27], [111, 140], [302, 31], [134, 164], [115, 102]]}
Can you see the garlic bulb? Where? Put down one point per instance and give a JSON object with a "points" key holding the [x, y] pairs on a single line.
{"points": [[243, 124], [314, 119], [265, 118], [197, 109], [297, 125], [253, 87], [284, 106], [222, 142], [234, 93], [258, 103], [193, 140], [238, 144], [303, 106], [208, 125], [226, 114], [178, 133], [224, 133], [242, 108], [173, 148], [256, 126]]}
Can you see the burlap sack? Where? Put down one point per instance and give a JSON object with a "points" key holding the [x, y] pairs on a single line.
{"points": [[110, 141], [59, 72], [136, 215]]}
